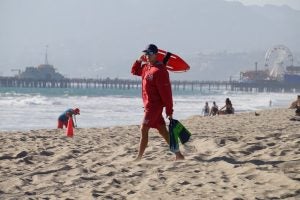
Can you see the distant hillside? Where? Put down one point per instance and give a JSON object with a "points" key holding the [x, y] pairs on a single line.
{"points": [[217, 25]]}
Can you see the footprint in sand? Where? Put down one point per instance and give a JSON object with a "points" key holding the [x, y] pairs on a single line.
{"points": [[189, 149], [30, 193], [261, 138], [97, 193], [27, 160], [283, 152], [137, 173], [255, 147], [22, 154], [271, 144], [199, 185], [220, 141], [184, 183], [131, 192], [225, 178], [123, 170], [251, 176], [46, 153]]}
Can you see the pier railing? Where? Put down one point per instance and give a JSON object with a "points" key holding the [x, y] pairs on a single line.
{"points": [[262, 86], [107, 83]]}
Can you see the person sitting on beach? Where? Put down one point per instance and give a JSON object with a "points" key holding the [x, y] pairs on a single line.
{"points": [[64, 117], [228, 108], [296, 105], [214, 109], [205, 110]]}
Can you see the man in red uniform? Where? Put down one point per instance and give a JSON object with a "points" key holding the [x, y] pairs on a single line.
{"points": [[156, 93]]}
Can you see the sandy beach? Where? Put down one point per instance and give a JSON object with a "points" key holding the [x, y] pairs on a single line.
{"points": [[241, 156]]}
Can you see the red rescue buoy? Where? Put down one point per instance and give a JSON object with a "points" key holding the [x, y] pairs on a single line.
{"points": [[172, 61]]}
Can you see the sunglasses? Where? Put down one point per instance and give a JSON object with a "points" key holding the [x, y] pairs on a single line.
{"points": [[149, 53]]}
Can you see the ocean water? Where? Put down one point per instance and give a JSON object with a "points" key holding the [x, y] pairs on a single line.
{"points": [[38, 108]]}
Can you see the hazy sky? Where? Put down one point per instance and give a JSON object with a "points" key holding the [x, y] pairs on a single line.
{"points": [[101, 38], [295, 4]]}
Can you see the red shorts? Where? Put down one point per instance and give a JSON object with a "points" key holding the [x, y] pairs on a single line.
{"points": [[61, 124], [153, 118]]}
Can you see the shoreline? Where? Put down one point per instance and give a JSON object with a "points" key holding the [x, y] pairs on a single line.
{"points": [[240, 156], [33, 112], [54, 127]]}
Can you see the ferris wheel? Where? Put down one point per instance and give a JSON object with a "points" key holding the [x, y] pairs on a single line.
{"points": [[277, 59]]}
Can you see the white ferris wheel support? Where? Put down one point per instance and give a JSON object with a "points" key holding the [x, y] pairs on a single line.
{"points": [[283, 53]]}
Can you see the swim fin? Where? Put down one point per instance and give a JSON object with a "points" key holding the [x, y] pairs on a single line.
{"points": [[173, 137], [177, 130]]}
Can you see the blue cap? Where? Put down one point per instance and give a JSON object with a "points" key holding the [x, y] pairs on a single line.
{"points": [[151, 49]]}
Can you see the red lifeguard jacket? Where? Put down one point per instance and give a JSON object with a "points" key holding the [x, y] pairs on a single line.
{"points": [[156, 86]]}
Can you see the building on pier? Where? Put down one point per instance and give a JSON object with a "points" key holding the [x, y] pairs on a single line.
{"points": [[42, 72]]}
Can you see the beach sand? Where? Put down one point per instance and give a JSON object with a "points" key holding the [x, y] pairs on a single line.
{"points": [[241, 156]]}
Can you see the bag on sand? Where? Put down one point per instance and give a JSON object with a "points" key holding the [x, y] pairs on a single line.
{"points": [[177, 130]]}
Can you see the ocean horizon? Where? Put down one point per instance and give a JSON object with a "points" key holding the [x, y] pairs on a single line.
{"points": [[24, 109]]}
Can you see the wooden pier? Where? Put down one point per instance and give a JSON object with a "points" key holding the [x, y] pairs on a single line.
{"points": [[267, 86]]}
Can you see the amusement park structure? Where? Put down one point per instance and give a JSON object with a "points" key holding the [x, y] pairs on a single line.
{"points": [[278, 67]]}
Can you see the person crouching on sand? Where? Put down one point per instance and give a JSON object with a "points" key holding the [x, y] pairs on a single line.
{"points": [[156, 94], [64, 117]]}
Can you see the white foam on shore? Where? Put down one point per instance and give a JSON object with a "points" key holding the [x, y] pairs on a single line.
{"points": [[36, 111]]}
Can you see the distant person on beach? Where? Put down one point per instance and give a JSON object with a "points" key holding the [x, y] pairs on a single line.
{"points": [[228, 108], [64, 117], [205, 109], [156, 94], [214, 109], [296, 105]]}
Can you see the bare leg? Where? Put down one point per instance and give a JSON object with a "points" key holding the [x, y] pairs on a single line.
{"points": [[165, 134], [143, 141], [221, 112]]}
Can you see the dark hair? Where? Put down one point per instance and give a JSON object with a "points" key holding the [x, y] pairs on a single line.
{"points": [[228, 101]]}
